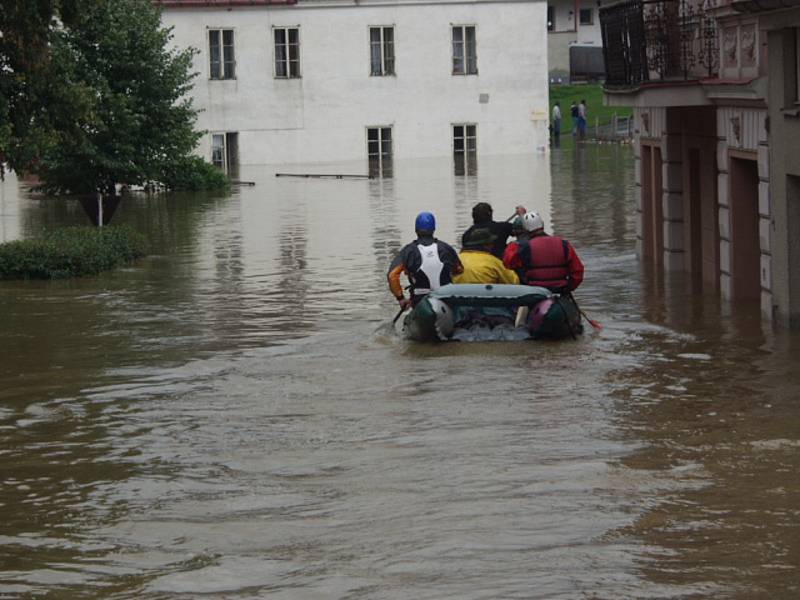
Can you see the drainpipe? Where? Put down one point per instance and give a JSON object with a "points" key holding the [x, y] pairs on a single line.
{"points": [[577, 10]]}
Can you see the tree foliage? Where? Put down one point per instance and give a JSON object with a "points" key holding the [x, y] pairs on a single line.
{"points": [[102, 101], [27, 76]]}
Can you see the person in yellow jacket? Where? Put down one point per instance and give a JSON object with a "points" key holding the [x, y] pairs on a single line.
{"points": [[480, 265]]}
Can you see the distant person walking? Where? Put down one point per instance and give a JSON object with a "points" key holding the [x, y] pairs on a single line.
{"points": [[573, 113], [582, 120], [556, 122]]}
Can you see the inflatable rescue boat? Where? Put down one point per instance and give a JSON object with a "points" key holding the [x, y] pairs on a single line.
{"points": [[499, 311]]}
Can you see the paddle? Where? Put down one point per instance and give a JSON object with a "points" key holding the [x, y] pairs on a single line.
{"points": [[595, 324], [592, 322], [388, 328], [397, 316]]}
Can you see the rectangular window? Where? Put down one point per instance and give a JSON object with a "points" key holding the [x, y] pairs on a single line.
{"points": [[551, 18], [465, 56], [379, 151], [222, 64], [381, 51], [225, 151], [287, 52], [465, 149], [587, 18]]}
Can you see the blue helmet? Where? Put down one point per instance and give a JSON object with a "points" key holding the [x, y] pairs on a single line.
{"points": [[425, 222]]}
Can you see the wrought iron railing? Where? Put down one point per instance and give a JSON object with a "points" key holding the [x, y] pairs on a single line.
{"points": [[658, 40]]}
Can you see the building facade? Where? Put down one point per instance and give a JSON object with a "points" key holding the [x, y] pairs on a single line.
{"points": [[312, 81], [711, 140], [573, 24]]}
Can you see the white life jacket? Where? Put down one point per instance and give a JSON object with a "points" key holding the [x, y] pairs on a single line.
{"points": [[429, 275]]}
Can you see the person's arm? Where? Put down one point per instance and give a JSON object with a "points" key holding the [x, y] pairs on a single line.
{"points": [[511, 258], [457, 268], [575, 268], [396, 269]]}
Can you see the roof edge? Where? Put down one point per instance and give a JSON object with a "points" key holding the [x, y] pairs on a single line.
{"points": [[219, 3]]}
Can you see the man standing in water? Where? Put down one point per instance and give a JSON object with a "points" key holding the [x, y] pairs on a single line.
{"points": [[556, 123], [544, 260], [582, 120], [427, 262], [573, 114], [482, 219]]}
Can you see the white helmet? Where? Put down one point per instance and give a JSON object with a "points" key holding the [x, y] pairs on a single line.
{"points": [[532, 221]]}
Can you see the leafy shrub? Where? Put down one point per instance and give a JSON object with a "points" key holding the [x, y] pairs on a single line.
{"points": [[70, 252], [193, 174]]}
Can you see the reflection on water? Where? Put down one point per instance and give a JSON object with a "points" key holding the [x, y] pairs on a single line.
{"points": [[221, 418]]}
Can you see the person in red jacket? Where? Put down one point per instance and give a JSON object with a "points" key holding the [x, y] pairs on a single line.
{"points": [[544, 260]]}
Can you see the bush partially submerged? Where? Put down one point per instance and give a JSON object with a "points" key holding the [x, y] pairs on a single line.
{"points": [[70, 252], [193, 174]]}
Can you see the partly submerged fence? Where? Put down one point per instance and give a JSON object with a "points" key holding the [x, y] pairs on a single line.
{"points": [[619, 129]]}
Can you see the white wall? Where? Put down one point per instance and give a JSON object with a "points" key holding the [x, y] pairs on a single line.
{"points": [[322, 116], [590, 34], [9, 208], [565, 20]]}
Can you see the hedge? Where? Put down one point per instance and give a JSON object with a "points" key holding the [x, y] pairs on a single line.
{"points": [[70, 252]]}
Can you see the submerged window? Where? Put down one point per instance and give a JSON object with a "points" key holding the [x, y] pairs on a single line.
{"points": [[287, 52], [225, 151], [381, 51], [465, 57], [379, 151], [222, 64], [465, 149]]}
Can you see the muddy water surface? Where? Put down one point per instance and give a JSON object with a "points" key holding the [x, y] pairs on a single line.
{"points": [[222, 420]]}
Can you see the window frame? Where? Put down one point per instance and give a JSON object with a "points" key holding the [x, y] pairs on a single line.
{"points": [[222, 162], [466, 151], [287, 59], [224, 65], [384, 160], [580, 17], [465, 56], [230, 142], [382, 48]]}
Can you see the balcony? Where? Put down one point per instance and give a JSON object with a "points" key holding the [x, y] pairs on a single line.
{"points": [[651, 41]]}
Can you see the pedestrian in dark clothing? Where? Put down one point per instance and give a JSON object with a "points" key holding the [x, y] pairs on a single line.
{"points": [[482, 219]]}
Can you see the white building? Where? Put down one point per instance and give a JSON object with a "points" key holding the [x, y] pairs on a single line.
{"points": [[330, 80], [572, 23]]}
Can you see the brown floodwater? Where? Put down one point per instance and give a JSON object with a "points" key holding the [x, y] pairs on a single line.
{"points": [[231, 418]]}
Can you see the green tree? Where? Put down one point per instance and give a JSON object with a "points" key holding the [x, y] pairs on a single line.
{"points": [[26, 29], [104, 98], [139, 121]]}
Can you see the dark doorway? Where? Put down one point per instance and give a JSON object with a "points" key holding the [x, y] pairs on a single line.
{"points": [[793, 249], [745, 244]]}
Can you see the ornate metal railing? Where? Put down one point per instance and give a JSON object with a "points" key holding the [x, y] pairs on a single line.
{"points": [[658, 40]]}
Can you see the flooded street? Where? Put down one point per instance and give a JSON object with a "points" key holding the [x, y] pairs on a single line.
{"points": [[223, 420]]}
